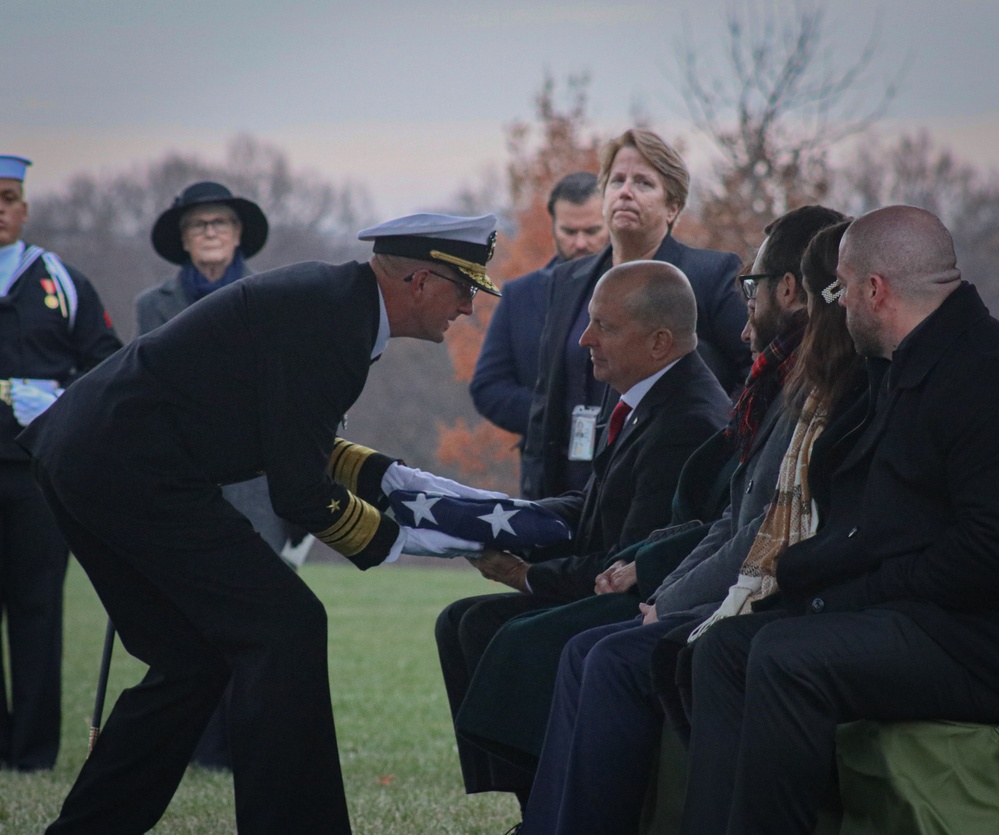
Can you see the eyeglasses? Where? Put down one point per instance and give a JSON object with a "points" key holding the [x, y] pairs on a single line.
{"points": [[217, 224], [470, 289], [750, 284]]}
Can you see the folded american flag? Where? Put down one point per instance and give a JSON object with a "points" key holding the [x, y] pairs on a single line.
{"points": [[499, 523]]}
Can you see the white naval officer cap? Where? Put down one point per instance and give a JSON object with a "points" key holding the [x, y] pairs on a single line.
{"points": [[13, 167], [466, 243]]}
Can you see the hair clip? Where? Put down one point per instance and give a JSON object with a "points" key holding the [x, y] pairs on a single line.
{"points": [[833, 291]]}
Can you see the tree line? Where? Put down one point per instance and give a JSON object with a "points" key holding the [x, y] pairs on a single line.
{"points": [[775, 111]]}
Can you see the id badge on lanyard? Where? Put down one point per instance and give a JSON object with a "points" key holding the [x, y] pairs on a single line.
{"points": [[583, 435]]}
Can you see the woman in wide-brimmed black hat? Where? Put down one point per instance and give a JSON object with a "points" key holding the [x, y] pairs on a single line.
{"points": [[209, 233]]}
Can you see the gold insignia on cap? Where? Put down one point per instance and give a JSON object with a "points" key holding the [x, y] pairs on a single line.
{"points": [[474, 271], [51, 302]]}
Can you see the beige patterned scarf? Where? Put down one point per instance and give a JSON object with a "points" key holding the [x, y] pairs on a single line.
{"points": [[790, 518]]}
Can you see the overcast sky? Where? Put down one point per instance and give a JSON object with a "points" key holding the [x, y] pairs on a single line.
{"points": [[411, 98]]}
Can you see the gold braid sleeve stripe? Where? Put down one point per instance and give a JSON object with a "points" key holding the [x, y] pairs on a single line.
{"points": [[355, 528], [346, 461]]}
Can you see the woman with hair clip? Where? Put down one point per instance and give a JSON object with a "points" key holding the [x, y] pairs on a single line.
{"points": [[828, 390]]}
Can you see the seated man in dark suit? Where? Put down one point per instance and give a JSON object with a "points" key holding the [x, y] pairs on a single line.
{"points": [[644, 184], [642, 340], [889, 612], [503, 383]]}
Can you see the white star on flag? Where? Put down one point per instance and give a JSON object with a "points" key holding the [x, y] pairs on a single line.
{"points": [[421, 508], [499, 519]]}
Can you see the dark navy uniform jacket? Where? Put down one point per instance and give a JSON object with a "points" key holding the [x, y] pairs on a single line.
{"points": [[36, 340], [255, 378]]}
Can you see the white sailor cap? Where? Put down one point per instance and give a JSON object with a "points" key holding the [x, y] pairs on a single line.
{"points": [[466, 243], [13, 167]]}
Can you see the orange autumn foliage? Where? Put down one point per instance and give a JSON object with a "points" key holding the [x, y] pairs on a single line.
{"points": [[483, 451]]}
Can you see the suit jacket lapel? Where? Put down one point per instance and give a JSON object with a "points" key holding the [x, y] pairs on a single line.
{"points": [[669, 251], [602, 454], [566, 298], [654, 398], [583, 278], [872, 434]]}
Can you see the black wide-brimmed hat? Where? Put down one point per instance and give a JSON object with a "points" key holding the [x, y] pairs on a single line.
{"points": [[166, 230]]}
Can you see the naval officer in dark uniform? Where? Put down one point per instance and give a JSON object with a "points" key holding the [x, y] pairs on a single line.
{"points": [[257, 377], [53, 328]]}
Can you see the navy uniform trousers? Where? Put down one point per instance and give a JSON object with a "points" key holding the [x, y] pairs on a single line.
{"points": [[33, 560], [200, 617]]}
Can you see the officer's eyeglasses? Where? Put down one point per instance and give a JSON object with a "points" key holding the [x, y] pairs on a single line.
{"points": [[750, 284], [470, 289]]}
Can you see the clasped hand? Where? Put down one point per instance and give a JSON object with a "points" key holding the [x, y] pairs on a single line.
{"points": [[621, 576], [503, 567]]}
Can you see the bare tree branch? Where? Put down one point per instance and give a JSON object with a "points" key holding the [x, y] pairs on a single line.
{"points": [[773, 108]]}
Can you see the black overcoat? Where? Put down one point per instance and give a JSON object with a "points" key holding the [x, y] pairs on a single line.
{"points": [[37, 340], [914, 523]]}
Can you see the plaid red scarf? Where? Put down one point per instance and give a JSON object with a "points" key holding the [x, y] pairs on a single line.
{"points": [[765, 381]]}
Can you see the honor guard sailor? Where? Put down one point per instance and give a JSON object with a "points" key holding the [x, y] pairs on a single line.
{"points": [[53, 328]]}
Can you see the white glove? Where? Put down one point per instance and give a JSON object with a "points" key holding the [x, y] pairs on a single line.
{"points": [[419, 542], [29, 398], [400, 477], [731, 605]]}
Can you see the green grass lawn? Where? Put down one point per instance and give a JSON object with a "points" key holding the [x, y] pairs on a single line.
{"points": [[393, 725]]}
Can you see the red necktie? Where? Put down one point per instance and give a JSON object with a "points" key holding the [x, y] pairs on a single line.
{"points": [[617, 419]]}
